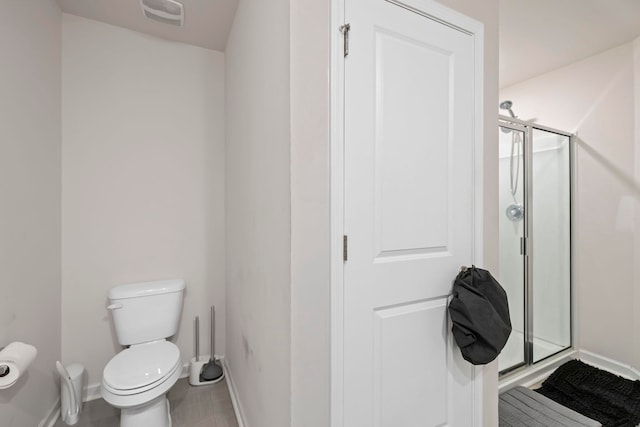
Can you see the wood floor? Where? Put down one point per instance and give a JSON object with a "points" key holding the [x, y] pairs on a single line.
{"points": [[208, 405]]}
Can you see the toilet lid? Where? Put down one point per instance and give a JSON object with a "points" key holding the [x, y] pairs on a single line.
{"points": [[141, 365]]}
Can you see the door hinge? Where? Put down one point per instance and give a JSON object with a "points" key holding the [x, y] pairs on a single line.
{"points": [[523, 246], [344, 29], [344, 247]]}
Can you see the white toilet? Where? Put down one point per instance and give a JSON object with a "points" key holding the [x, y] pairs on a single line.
{"points": [[138, 378]]}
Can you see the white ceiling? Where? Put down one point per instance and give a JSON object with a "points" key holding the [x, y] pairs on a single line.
{"points": [[206, 22], [537, 36]]}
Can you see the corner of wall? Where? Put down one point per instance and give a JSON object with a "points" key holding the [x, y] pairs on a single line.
{"points": [[636, 145], [310, 219]]}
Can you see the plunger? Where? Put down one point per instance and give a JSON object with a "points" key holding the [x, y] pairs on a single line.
{"points": [[211, 371]]}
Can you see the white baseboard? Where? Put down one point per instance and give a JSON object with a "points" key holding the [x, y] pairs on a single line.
{"points": [[52, 415], [610, 365], [91, 392], [530, 376], [237, 407], [185, 370]]}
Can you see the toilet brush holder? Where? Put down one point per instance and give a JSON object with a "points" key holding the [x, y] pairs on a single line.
{"points": [[195, 369], [206, 369], [195, 366]]}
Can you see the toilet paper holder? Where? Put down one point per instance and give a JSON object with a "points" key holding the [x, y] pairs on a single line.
{"points": [[15, 359], [4, 369]]}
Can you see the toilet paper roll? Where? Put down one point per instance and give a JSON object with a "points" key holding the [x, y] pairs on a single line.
{"points": [[14, 361]]}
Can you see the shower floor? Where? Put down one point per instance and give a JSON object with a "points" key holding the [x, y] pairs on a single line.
{"points": [[513, 352]]}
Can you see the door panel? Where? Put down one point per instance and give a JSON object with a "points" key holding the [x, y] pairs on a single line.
{"points": [[409, 215], [406, 396]]}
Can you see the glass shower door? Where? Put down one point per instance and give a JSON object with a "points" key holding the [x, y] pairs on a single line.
{"points": [[512, 199], [534, 240], [550, 219]]}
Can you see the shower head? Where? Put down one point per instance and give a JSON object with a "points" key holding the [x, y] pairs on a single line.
{"points": [[506, 105]]}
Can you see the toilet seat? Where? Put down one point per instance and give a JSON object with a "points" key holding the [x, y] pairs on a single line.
{"points": [[139, 398], [141, 367]]}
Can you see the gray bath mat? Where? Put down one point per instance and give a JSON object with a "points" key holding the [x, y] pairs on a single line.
{"points": [[521, 407]]}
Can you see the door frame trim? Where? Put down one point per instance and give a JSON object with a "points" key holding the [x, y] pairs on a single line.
{"points": [[475, 29]]}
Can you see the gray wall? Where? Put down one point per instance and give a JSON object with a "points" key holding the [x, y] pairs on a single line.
{"points": [[258, 206], [310, 220], [30, 139], [143, 181]]}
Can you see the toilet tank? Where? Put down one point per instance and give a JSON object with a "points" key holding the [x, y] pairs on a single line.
{"points": [[147, 311]]}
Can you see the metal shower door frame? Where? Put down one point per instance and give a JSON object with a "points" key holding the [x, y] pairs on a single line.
{"points": [[527, 246]]}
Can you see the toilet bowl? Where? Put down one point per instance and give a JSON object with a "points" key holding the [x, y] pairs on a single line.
{"points": [[137, 379]]}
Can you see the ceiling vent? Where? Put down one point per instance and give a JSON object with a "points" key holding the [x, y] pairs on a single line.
{"points": [[165, 11]]}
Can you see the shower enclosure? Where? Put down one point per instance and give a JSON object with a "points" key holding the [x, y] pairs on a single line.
{"points": [[534, 239]]}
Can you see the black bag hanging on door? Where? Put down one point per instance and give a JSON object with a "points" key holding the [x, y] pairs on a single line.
{"points": [[480, 315]]}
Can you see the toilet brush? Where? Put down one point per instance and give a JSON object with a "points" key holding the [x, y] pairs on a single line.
{"points": [[212, 372], [196, 364]]}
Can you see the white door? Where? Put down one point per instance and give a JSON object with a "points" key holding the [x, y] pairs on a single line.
{"points": [[409, 216]]}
